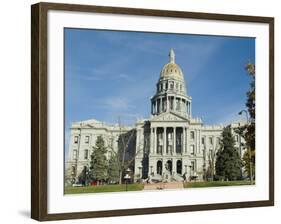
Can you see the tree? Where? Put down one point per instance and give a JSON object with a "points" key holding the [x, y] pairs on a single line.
{"points": [[126, 152], [228, 163], [212, 161], [98, 161], [248, 131], [113, 169]]}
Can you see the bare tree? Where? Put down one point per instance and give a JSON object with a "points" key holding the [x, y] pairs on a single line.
{"points": [[125, 156], [212, 161]]}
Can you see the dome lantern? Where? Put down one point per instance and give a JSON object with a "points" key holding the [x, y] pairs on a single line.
{"points": [[172, 56]]}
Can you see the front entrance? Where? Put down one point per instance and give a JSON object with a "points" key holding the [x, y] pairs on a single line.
{"points": [[159, 167], [179, 167], [169, 166]]}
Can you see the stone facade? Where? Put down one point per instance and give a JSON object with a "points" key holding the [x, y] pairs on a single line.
{"points": [[169, 145]]}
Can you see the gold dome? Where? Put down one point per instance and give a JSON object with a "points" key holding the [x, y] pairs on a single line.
{"points": [[171, 69]]}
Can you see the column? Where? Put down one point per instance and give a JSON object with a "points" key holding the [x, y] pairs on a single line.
{"points": [[151, 141], [182, 105], [184, 140], [164, 142], [168, 104], [174, 144], [156, 106], [161, 104], [155, 139]]}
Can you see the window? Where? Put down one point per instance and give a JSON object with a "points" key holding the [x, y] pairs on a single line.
{"points": [[236, 138], [211, 140], [192, 149], [203, 141], [75, 154], [180, 87], [166, 85], [75, 139], [177, 86], [87, 139], [86, 154], [192, 135]]}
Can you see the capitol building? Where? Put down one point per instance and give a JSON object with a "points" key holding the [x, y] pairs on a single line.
{"points": [[169, 145]]}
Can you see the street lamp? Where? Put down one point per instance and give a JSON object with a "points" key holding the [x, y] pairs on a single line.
{"points": [[87, 176], [127, 177], [249, 150]]}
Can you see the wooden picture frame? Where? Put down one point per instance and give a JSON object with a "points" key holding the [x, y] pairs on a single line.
{"points": [[39, 110]]}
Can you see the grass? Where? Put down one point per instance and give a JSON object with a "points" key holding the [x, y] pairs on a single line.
{"points": [[103, 188], [139, 187], [215, 184]]}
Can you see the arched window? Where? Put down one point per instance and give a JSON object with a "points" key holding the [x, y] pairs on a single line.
{"points": [[159, 167], [172, 85], [179, 167]]}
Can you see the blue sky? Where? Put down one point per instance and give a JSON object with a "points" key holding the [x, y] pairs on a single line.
{"points": [[112, 73]]}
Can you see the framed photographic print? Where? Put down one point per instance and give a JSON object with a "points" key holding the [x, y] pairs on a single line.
{"points": [[139, 111]]}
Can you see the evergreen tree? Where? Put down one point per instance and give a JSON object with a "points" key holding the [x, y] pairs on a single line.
{"points": [[113, 168], [98, 161], [228, 163]]}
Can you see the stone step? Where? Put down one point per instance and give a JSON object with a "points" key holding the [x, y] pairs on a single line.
{"points": [[163, 186]]}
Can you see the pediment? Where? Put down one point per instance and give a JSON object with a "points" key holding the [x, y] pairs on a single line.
{"points": [[169, 117]]}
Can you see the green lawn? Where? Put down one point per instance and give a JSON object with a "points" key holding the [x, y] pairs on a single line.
{"points": [[103, 188], [215, 184]]}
